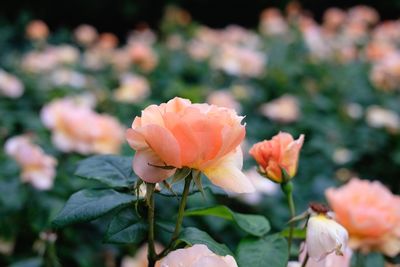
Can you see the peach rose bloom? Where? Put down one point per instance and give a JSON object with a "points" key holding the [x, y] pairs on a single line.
{"points": [[140, 259], [78, 128], [197, 256], [279, 153], [198, 136], [85, 34], [37, 167], [370, 213], [334, 18], [272, 22], [37, 30]]}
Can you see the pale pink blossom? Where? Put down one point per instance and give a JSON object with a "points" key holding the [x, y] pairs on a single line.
{"points": [[132, 89], [85, 34], [284, 109], [197, 256], [37, 167], [10, 85]]}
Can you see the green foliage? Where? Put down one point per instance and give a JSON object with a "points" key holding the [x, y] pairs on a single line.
{"points": [[191, 236], [90, 204], [258, 252], [113, 171], [256, 225], [126, 227]]}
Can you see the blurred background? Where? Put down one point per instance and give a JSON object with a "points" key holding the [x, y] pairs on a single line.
{"points": [[326, 69]]}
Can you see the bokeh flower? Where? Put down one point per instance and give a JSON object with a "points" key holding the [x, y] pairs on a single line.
{"points": [[37, 167], [10, 85], [279, 154], [75, 127], [37, 30], [199, 136], [85, 34], [284, 109], [133, 89], [196, 256], [370, 213]]}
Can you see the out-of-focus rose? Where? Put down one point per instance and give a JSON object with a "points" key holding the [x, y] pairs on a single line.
{"points": [[284, 109], [39, 61], [10, 85], [66, 54], [385, 73], [133, 89], [199, 136], [272, 22], [379, 117], [78, 128], [140, 259], [314, 39], [262, 186], [67, 77], [370, 213], [85, 34], [240, 61], [224, 98], [342, 155], [199, 50], [37, 30], [334, 18], [107, 41], [143, 55], [281, 153], [196, 256], [38, 168], [363, 14]]}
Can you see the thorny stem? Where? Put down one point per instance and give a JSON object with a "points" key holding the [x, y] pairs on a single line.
{"points": [[151, 255], [179, 219]]}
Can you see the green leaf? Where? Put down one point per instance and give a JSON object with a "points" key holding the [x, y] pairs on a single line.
{"points": [[126, 228], [89, 204], [192, 236], [297, 233], [177, 189], [114, 171], [256, 225], [257, 252]]}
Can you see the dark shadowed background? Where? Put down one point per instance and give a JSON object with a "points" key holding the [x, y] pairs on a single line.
{"points": [[119, 16]]}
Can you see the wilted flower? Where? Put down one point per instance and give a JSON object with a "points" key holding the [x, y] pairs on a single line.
{"points": [[331, 260], [284, 109], [140, 259], [85, 34], [10, 85], [133, 89], [223, 98], [379, 117], [78, 128], [197, 255], [37, 167], [370, 213], [198, 136], [37, 30], [324, 235], [278, 155]]}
